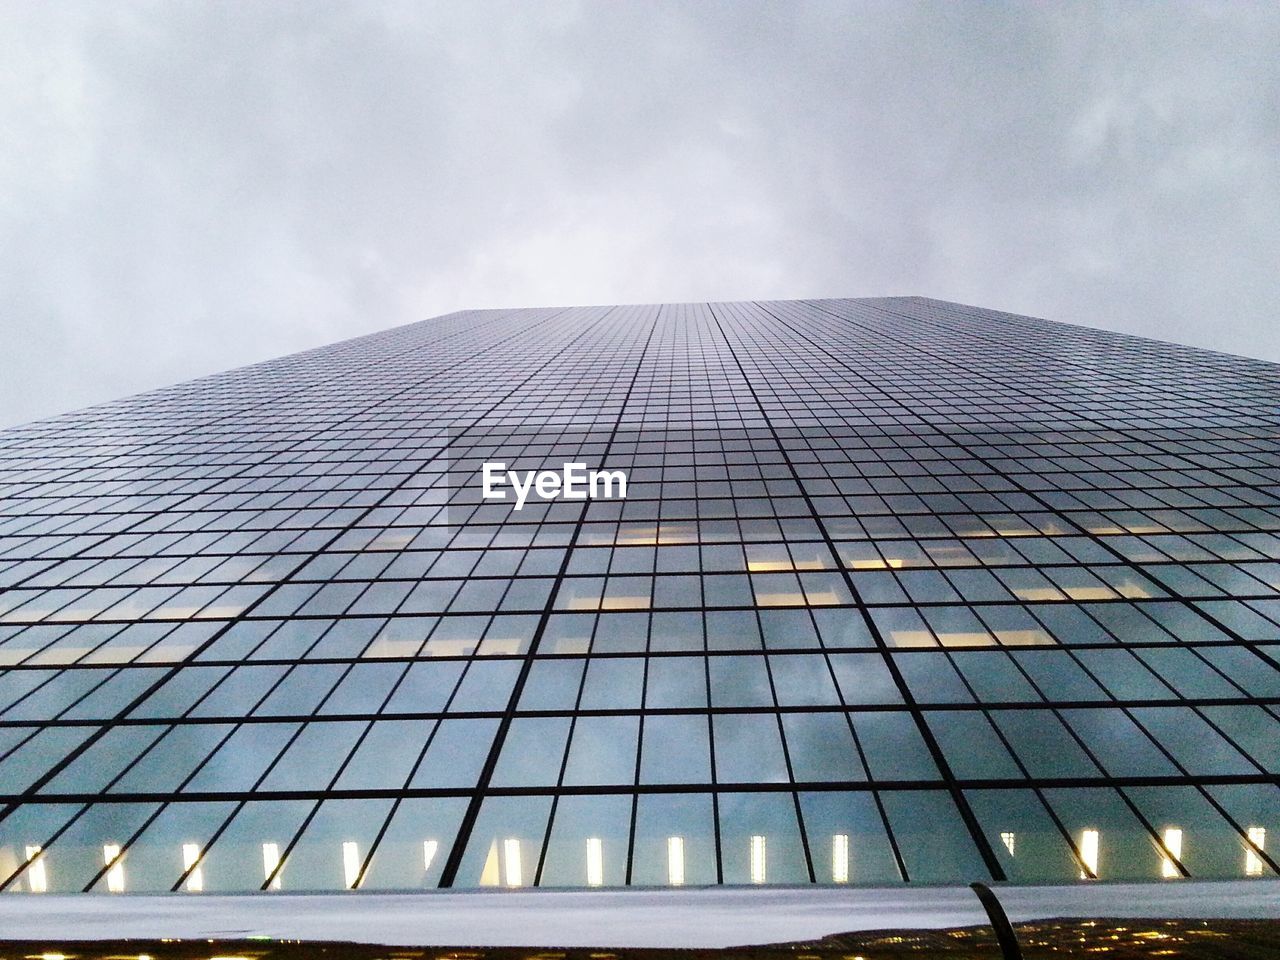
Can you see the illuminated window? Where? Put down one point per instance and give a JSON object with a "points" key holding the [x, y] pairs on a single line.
{"points": [[115, 867], [350, 863], [675, 861], [757, 859], [511, 862], [1173, 853], [271, 864], [1089, 854], [1009, 839], [840, 858], [1252, 862], [195, 874], [595, 862], [37, 875]]}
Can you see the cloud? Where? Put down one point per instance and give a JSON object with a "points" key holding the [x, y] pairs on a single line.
{"points": [[186, 187]]}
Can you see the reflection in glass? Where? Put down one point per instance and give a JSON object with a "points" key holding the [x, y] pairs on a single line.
{"points": [[77, 857], [600, 826], [1126, 849], [247, 853], [1028, 844], [411, 853], [931, 836], [760, 839], [25, 864], [158, 857], [506, 842], [685, 818], [848, 839], [329, 854]]}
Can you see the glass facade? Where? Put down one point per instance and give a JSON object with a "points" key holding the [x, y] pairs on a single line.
{"points": [[900, 591]]}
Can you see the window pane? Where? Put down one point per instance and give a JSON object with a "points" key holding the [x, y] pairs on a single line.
{"points": [[675, 750], [675, 840], [760, 839], [588, 845], [931, 836], [412, 853], [506, 843]]}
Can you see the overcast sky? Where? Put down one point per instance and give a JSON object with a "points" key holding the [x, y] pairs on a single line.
{"points": [[188, 187]]}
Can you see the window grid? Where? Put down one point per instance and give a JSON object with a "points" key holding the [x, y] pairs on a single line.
{"points": [[900, 591]]}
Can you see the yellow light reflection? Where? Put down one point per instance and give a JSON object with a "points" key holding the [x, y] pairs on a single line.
{"points": [[777, 590], [769, 566], [1090, 593], [676, 533], [1103, 526], [869, 564], [824, 597], [624, 602], [385, 646], [809, 561], [1026, 638], [1037, 593], [912, 638], [1134, 591], [636, 536], [952, 639], [1141, 528]]}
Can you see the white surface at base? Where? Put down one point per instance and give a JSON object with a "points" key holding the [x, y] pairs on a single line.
{"points": [[705, 917]]}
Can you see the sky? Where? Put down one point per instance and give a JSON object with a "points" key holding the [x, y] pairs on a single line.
{"points": [[190, 187]]}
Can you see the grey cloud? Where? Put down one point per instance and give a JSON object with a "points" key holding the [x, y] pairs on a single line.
{"points": [[186, 187]]}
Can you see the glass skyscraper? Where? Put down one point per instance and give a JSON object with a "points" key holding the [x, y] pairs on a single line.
{"points": [[899, 591]]}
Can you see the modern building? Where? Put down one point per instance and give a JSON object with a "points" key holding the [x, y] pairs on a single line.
{"points": [[862, 592]]}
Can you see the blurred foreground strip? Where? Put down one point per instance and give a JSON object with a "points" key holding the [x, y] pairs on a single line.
{"points": [[1113, 939]]}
